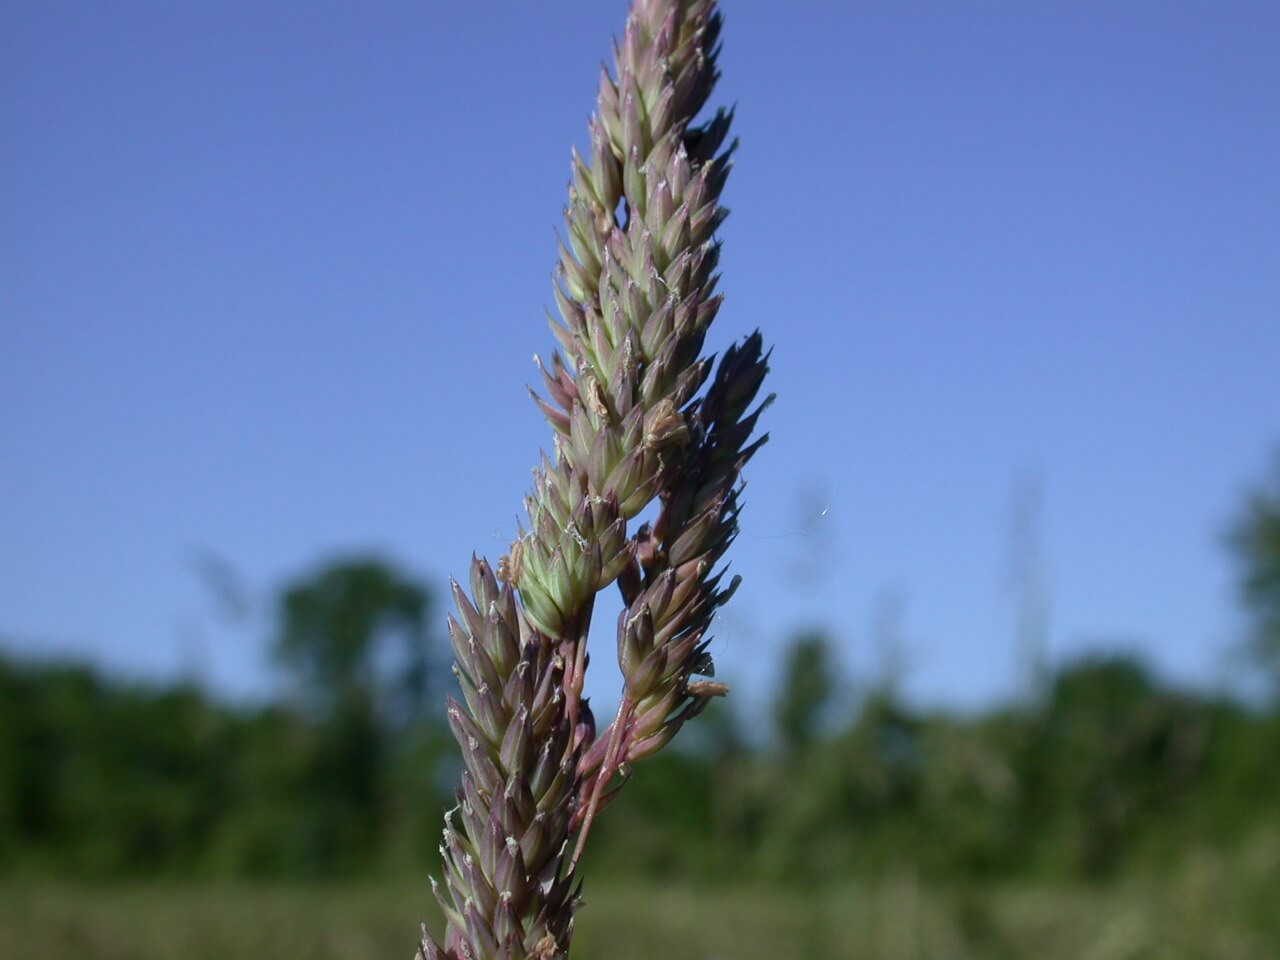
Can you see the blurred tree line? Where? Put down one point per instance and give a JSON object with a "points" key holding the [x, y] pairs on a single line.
{"points": [[1113, 771], [346, 773], [1107, 770]]}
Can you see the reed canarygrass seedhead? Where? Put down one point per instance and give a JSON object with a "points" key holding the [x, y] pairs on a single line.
{"points": [[639, 416]]}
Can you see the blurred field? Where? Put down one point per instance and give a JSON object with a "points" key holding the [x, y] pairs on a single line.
{"points": [[1205, 911]]}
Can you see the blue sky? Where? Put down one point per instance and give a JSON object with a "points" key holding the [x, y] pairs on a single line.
{"points": [[273, 274]]}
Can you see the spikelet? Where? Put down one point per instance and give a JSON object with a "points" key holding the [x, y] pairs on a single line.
{"points": [[636, 291]]}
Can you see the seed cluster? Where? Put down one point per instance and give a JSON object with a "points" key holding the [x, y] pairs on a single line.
{"points": [[633, 424]]}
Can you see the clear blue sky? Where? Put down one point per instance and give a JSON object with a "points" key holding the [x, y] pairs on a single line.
{"points": [[271, 276]]}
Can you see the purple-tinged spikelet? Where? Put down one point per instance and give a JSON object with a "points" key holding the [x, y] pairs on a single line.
{"points": [[636, 291]]}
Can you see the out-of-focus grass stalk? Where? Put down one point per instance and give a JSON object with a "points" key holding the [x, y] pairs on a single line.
{"points": [[638, 415]]}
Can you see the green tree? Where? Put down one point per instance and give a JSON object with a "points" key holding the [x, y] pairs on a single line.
{"points": [[805, 691], [353, 634], [1123, 753], [100, 779], [1255, 541]]}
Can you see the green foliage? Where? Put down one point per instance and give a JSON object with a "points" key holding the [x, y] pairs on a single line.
{"points": [[804, 695], [1212, 910], [1127, 754], [340, 624], [1115, 775], [354, 635], [96, 777], [1255, 541], [106, 779]]}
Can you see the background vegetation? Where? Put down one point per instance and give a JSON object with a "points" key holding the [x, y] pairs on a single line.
{"points": [[1108, 814]]}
